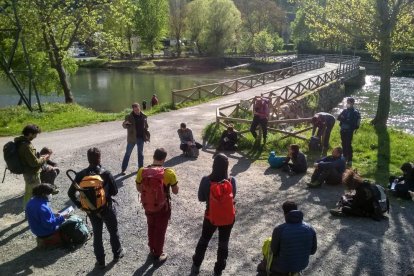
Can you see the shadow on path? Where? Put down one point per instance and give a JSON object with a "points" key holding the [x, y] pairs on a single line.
{"points": [[382, 172], [12, 206], [121, 178], [148, 268]]}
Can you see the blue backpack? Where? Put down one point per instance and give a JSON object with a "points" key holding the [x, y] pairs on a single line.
{"points": [[275, 161]]}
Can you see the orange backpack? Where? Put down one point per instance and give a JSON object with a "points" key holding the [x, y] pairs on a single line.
{"points": [[221, 210], [92, 193], [153, 192]]}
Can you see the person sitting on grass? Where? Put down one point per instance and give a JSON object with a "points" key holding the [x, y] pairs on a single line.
{"points": [[401, 186], [187, 139], [329, 169], [362, 202], [43, 223], [228, 140], [298, 162]]}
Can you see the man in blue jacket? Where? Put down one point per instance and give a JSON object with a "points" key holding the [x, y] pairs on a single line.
{"points": [[329, 169], [292, 242]]}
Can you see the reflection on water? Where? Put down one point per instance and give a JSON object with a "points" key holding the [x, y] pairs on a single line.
{"points": [[402, 101], [115, 90]]}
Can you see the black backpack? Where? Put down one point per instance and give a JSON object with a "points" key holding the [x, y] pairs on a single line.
{"points": [[11, 156], [380, 201], [315, 144]]}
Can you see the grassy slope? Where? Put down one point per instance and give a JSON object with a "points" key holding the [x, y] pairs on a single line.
{"points": [[377, 154]]}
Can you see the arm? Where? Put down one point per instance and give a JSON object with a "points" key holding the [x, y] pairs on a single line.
{"points": [[314, 243], [204, 189], [112, 187], [49, 220], [233, 184], [276, 241], [180, 135], [341, 116], [72, 192], [313, 130], [170, 179], [191, 136], [138, 180], [30, 157], [126, 122]]}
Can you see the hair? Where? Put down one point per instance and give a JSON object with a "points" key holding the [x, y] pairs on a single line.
{"points": [[94, 156], [220, 168], [289, 206], [183, 125], [160, 154], [31, 129], [407, 167], [295, 149], [134, 105], [351, 179], [230, 127], [42, 189], [339, 149], [350, 100], [45, 150]]}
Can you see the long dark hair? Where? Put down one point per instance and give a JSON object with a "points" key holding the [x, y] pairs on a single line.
{"points": [[220, 168], [351, 179]]}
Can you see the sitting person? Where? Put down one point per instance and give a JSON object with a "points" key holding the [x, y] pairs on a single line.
{"points": [[49, 170], [298, 164], [228, 140], [329, 169], [187, 139], [401, 186], [362, 202], [43, 223]]}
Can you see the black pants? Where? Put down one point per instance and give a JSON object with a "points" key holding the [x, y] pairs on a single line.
{"points": [[223, 246], [263, 124], [229, 145], [289, 167], [184, 147], [107, 216], [346, 139], [330, 175], [326, 135]]}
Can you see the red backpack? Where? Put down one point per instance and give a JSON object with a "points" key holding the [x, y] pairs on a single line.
{"points": [[153, 192], [221, 209]]}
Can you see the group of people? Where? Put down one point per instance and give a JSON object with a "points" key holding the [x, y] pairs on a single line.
{"points": [[292, 242]]}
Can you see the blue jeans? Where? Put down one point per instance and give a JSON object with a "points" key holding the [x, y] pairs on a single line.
{"points": [[129, 148]]}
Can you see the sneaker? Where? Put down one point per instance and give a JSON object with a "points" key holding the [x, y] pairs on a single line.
{"points": [[314, 184], [100, 265], [337, 212], [123, 173], [195, 270], [119, 256], [162, 258]]}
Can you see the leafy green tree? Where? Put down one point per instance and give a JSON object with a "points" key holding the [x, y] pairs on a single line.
{"points": [[384, 25], [196, 20], [152, 22], [262, 43], [177, 21], [277, 42]]}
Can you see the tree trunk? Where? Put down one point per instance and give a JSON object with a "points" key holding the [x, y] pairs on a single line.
{"points": [[64, 82], [178, 46]]}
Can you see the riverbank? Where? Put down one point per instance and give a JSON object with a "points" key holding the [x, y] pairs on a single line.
{"points": [[377, 153]]}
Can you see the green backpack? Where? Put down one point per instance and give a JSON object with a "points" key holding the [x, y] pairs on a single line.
{"points": [[267, 253], [74, 231]]}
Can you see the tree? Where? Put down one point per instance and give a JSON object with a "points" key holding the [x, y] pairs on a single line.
{"points": [[177, 16], [262, 43], [195, 20], [384, 25], [152, 22]]}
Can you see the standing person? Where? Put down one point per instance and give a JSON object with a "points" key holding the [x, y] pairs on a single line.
{"points": [[298, 164], [324, 123], [136, 124], [31, 163], [144, 105], [350, 120], [154, 100], [153, 183], [261, 116], [329, 169], [219, 214], [106, 213], [292, 242]]}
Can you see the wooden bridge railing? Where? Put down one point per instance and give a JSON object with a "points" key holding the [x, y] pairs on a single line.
{"points": [[278, 97], [244, 83]]}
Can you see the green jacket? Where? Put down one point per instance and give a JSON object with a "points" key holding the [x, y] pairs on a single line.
{"points": [[27, 154]]}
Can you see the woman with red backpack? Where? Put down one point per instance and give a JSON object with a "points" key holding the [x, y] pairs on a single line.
{"points": [[218, 191]]}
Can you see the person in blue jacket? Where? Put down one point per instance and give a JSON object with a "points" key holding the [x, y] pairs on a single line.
{"points": [[43, 223], [292, 242], [329, 169]]}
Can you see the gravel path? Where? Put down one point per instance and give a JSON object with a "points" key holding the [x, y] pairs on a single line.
{"points": [[347, 246]]}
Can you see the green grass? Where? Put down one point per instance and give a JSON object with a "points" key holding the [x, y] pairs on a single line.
{"points": [[377, 153]]}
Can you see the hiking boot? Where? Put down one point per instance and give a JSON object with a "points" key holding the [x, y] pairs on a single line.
{"points": [[123, 173], [314, 184], [337, 212], [119, 256], [161, 259], [100, 264], [195, 270]]}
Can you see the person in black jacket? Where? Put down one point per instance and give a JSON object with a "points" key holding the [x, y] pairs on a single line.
{"points": [[350, 120], [403, 185], [228, 139], [298, 164], [107, 214], [292, 242], [329, 169], [324, 123], [361, 203]]}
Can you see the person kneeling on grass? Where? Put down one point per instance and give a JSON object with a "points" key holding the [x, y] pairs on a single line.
{"points": [[298, 164], [329, 169], [403, 185], [228, 139], [43, 223]]}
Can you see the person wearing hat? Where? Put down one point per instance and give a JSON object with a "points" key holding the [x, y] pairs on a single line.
{"points": [[228, 140], [350, 120]]}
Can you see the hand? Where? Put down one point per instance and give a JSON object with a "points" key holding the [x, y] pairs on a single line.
{"points": [[45, 157]]}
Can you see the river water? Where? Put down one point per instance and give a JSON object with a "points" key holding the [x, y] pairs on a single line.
{"points": [[114, 90]]}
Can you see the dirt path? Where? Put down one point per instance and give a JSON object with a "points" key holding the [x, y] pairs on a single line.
{"points": [[347, 246]]}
